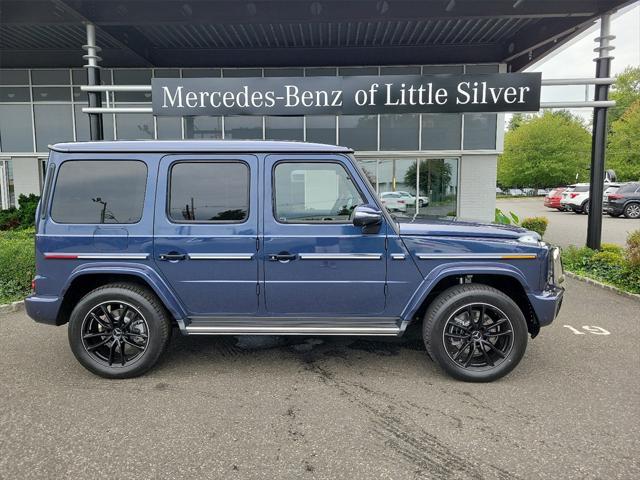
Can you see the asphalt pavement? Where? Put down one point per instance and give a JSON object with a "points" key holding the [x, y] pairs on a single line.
{"points": [[329, 408], [568, 228]]}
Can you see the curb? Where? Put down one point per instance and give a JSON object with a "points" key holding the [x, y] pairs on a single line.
{"points": [[12, 307], [596, 283]]}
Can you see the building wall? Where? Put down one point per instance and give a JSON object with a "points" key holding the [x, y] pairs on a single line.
{"points": [[478, 182]]}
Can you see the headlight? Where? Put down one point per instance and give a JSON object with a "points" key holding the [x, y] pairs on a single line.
{"points": [[556, 272]]}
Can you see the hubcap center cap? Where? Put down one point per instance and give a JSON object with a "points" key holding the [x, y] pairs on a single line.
{"points": [[477, 335]]}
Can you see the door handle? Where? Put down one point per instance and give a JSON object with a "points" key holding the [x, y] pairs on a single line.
{"points": [[172, 256], [282, 257]]}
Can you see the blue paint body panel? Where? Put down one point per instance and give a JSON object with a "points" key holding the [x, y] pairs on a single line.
{"points": [[339, 271]]}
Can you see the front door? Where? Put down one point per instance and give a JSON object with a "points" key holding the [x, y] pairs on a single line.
{"points": [[316, 262], [206, 232]]}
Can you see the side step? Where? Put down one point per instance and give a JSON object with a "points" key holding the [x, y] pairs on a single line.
{"points": [[294, 326]]}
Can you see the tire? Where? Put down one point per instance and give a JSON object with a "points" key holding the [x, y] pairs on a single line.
{"points": [[443, 333], [421, 203], [585, 207], [577, 211], [115, 321], [632, 210]]}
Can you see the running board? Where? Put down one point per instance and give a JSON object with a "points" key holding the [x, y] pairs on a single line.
{"points": [[293, 326]]}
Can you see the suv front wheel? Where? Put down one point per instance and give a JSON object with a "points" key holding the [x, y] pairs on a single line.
{"points": [[475, 332], [119, 330]]}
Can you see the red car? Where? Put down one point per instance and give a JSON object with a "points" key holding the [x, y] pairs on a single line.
{"points": [[552, 199]]}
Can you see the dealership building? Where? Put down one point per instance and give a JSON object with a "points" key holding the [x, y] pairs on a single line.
{"points": [[448, 158]]}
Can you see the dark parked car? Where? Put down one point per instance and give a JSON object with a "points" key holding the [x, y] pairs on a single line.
{"points": [[625, 201], [270, 238]]}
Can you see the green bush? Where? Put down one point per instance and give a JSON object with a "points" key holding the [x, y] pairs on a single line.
{"points": [[536, 224], [611, 265], [633, 248], [17, 264], [611, 247], [23, 217]]}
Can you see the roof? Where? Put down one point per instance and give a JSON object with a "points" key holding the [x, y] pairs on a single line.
{"points": [[281, 33], [182, 146]]}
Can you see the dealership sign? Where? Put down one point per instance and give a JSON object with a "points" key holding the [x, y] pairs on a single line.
{"points": [[500, 92]]}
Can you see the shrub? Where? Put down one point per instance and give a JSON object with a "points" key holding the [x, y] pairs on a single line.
{"points": [[537, 224], [633, 248], [23, 217], [611, 247], [17, 264], [504, 219]]}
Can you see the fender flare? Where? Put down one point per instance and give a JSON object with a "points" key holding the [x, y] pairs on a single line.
{"points": [[144, 272], [458, 269]]}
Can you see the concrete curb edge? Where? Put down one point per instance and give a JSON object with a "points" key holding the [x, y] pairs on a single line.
{"points": [[596, 283], [12, 307]]}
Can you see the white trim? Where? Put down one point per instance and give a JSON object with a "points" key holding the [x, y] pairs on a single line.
{"points": [[220, 256], [340, 256]]}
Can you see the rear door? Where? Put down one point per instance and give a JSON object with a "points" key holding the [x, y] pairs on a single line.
{"points": [[317, 262], [206, 231]]}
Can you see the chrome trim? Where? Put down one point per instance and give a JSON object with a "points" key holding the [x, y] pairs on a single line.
{"points": [[473, 256], [398, 256], [220, 256], [339, 256], [271, 330], [97, 256]]}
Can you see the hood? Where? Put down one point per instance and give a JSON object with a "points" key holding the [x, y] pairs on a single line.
{"points": [[457, 228]]}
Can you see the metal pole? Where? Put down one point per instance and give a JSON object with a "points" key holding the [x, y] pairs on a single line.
{"points": [[93, 78], [599, 135]]}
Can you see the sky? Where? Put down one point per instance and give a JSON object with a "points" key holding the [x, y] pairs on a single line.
{"points": [[575, 59]]}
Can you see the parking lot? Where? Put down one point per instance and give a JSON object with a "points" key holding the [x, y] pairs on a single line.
{"points": [[568, 228], [270, 407]]}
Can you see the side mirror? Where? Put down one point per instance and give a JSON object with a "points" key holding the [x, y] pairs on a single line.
{"points": [[366, 215]]}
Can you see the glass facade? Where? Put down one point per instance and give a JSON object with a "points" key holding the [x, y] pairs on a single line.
{"points": [[30, 100]]}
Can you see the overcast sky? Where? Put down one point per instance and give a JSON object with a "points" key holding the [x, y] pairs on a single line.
{"points": [[575, 59]]}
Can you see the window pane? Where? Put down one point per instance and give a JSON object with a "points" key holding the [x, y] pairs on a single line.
{"points": [[359, 132], [241, 72], [436, 69], [14, 94], [321, 129], [169, 128], [202, 127], [53, 125], [314, 192], [209, 192], [134, 126], [16, 134], [412, 70], [480, 131], [284, 128], [200, 72], [241, 127], [353, 71], [82, 125], [50, 77], [320, 72], [51, 94], [399, 131], [283, 72], [14, 77], [488, 68], [441, 131], [79, 76], [438, 187], [132, 76], [99, 192], [166, 73]]}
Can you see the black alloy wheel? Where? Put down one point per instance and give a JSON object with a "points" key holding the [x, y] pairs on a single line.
{"points": [[632, 210], [115, 332]]}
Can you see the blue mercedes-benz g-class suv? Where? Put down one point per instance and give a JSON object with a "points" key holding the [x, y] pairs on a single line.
{"points": [[270, 238]]}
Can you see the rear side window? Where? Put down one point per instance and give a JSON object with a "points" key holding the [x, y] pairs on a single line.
{"points": [[581, 188], [629, 188], [99, 191], [209, 192]]}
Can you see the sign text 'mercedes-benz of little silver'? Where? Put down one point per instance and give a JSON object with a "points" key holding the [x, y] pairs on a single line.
{"points": [[500, 92]]}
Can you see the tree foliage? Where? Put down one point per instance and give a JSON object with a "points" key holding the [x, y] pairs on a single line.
{"points": [[545, 151], [624, 144], [435, 177], [625, 91]]}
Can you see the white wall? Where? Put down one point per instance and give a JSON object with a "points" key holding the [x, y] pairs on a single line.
{"points": [[477, 187], [26, 176]]}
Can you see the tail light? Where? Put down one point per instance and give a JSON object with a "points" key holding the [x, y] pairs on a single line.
{"points": [[401, 201], [33, 285], [615, 196], [573, 195]]}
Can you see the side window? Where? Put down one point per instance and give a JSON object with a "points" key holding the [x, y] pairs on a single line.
{"points": [[207, 192], [314, 192], [99, 191]]}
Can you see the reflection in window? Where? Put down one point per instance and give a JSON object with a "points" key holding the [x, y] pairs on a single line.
{"points": [[53, 125], [441, 131], [202, 127], [99, 192], [359, 132], [480, 131], [284, 128], [134, 126], [209, 192], [314, 192], [242, 128]]}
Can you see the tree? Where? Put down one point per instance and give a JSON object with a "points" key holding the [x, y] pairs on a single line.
{"points": [[625, 91], [624, 144], [435, 178], [545, 151]]}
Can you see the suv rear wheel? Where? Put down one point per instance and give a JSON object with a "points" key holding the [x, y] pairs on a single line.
{"points": [[475, 332], [119, 330], [632, 210]]}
